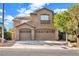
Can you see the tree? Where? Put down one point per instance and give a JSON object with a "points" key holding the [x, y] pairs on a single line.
{"points": [[7, 35], [1, 31], [61, 20], [72, 26], [74, 10]]}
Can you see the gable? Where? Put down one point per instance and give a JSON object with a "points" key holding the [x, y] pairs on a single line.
{"points": [[25, 25], [44, 9], [36, 21]]}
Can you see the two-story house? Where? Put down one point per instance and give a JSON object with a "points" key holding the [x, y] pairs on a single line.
{"points": [[38, 26]]}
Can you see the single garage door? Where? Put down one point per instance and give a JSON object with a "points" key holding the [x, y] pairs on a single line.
{"points": [[25, 34]]}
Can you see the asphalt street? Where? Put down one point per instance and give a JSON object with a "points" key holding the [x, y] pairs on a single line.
{"points": [[38, 52]]}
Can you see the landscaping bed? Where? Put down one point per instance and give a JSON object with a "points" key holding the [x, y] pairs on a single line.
{"points": [[7, 43]]}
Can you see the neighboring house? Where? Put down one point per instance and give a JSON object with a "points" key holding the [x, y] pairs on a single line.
{"points": [[38, 26]]}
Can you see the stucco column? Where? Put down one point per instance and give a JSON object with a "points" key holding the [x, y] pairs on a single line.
{"points": [[33, 34], [56, 34], [17, 34]]}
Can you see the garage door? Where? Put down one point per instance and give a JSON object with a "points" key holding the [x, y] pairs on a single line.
{"points": [[45, 34], [25, 34]]}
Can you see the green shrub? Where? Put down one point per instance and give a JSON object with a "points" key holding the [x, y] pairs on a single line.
{"points": [[72, 38], [8, 36]]}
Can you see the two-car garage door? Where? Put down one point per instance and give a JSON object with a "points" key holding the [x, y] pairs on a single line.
{"points": [[40, 34], [25, 34]]}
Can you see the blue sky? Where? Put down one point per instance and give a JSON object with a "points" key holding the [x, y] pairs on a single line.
{"points": [[13, 10]]}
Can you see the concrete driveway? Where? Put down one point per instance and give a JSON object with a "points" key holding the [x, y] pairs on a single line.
{"points": [[40, 44], [39, 48]]}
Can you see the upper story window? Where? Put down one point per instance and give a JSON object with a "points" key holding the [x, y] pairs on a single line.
{"points": [[44, 17]]}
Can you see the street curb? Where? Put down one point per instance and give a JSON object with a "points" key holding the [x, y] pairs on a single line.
{"points": [[38, 48]]}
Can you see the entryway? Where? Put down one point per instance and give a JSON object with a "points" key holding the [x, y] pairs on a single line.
{"points": [[62, 36]]}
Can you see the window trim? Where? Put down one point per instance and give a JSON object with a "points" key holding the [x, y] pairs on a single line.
{"points": [[44, 19]]}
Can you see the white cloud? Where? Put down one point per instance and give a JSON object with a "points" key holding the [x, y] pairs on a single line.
{"points": [[8, 19], [32, 8], [0, 17], [1, 11], [35, 6], [59, 10], [24, 12], [38, 1]]}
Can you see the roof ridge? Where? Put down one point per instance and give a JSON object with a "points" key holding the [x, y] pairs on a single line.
{"points": [[43, 8]]}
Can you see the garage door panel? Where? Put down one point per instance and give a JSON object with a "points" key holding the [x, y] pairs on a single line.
{"points": [[44, 34], [25, 34]]}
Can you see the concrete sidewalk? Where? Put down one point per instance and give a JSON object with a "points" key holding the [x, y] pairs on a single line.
{"points": [[40, 47]]}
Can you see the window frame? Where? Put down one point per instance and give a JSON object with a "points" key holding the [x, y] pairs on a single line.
{"points": [[44, 16], [45, 21]]}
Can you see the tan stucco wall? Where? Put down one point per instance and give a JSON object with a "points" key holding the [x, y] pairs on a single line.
{"points": [[16, 22], [17, 34], [35, 21]]}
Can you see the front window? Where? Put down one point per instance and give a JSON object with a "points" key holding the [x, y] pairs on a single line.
{"points": [[44, 17]]}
